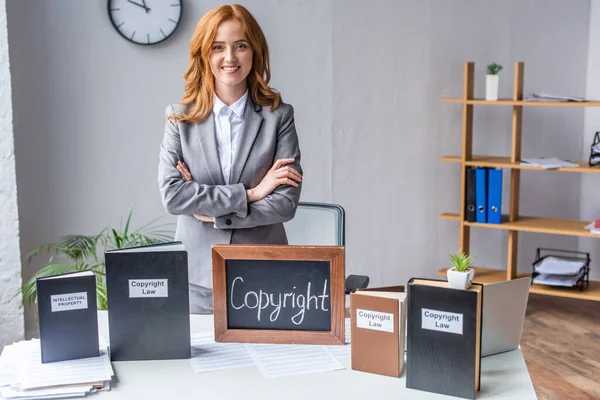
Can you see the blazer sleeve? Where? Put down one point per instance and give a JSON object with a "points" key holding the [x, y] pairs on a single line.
{"points": [[180, 197], [281, 204]]}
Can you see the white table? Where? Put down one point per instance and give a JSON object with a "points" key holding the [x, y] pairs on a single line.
{"points": [[503, 376]]}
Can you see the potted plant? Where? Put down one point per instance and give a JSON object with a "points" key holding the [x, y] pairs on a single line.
{"points": [[460, 275], [82, 253], [491, 81]]}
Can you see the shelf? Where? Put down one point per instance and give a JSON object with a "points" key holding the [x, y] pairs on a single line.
{"points": [[533, 224], [504, 162], [450, 216], [510, 102], [486, 276]]}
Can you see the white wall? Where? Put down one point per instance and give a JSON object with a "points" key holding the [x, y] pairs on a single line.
{"points": [[590, 183], [11, 310], [365, 79]]}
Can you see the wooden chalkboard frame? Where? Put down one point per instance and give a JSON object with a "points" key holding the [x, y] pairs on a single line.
{"points": [[332, 254]]}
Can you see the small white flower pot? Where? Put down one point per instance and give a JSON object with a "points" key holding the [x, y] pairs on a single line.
{"points": [[491, 87], [460, 280]]}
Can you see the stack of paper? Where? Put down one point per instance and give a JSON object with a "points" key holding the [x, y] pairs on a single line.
{"points": [[538, 96], [558, 280], [23, 376], [557, 271], [548, 162]]}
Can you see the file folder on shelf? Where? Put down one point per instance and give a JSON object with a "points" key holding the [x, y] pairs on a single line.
{"points": [[494, 196], [470, 196], [481, 195]]}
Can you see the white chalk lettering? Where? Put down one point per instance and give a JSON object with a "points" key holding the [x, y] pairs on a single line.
{"points": [[273, 303]]}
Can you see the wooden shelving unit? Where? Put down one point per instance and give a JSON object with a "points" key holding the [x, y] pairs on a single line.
{"points": [[505, 162], [512, 221]]}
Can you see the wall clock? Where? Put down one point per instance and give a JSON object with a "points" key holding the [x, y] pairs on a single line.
{"points": [[145, 22]]}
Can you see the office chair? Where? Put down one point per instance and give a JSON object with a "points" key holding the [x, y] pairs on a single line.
{"points": [[322, 224]]}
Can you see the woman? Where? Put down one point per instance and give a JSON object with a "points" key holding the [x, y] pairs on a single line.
{"points": [[229, 160]]}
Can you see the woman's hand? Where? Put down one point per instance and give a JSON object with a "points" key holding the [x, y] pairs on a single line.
{"points": [[279, 174], [186, 175]]}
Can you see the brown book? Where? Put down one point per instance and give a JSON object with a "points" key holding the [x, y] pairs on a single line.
{"points": [[378, 323]]}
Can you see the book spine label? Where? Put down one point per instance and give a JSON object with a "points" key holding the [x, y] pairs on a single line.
{"points": [[442, 321], [148, 288], [375, 320], [69, 301]]}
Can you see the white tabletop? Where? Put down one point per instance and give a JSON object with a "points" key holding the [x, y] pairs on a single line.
{"points": [[503, 376]]}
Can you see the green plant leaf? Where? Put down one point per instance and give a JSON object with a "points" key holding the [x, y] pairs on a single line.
{"points": [[29, 289], [87, 254], [460, 261]]}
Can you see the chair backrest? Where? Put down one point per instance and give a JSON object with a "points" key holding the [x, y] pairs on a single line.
{"points": [[319, 224]]}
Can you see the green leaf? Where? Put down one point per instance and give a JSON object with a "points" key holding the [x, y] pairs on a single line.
{"points": [[87, 254], [117, 239], [29, 289], [127, 223]]}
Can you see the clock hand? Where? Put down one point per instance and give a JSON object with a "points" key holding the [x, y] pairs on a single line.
{"points": [[144, 3], [139, 5]]}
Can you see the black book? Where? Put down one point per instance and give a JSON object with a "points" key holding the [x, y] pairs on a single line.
{"points": [[148, 302], [68, 318], [444, 338], [470, 198]]}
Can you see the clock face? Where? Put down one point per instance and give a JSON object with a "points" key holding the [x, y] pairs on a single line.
{"points": [[145, 21]]}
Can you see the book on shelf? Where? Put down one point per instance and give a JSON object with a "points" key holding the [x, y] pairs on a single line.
{"points": [[378, 324], [444, 327]]}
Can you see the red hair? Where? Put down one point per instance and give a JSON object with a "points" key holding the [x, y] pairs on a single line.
{"points": [[199, 80]]}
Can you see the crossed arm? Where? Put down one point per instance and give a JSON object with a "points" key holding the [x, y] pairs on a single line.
{"points": [[273, 200]]}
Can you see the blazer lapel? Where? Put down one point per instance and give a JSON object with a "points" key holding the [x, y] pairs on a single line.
{"points": [[250, 129], [205, 131]]}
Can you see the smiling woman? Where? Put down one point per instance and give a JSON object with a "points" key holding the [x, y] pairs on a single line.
{"points": [[229, 163]]}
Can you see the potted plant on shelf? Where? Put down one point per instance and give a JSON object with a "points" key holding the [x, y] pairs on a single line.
{"points": [[491, 81], [460, 275]]}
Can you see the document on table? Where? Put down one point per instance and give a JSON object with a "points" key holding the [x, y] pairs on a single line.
{"points": [[275, 360], [52, 393], [342, 351], [207, 355], [33, 374]]}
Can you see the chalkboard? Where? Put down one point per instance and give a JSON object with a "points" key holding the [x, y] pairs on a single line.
{"points": [[278, 294]]}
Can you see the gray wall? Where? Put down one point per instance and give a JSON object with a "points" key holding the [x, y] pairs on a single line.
{"points": [[11, 310], [590, 183], [365, 79]]}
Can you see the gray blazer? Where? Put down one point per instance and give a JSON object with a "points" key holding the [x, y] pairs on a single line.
{"points": [[266, 136]]}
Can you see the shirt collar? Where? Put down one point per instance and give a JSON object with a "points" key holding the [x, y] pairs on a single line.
{"points": [[237, 108]]}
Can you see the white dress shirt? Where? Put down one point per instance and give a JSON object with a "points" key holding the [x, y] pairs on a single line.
{"points": [[228, 128]]}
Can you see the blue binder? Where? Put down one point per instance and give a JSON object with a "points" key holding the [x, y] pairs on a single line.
{"points": [[481, 195], [494, 199]]}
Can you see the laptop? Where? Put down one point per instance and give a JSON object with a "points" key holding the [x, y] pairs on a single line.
{"points": [[504, 306]]}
